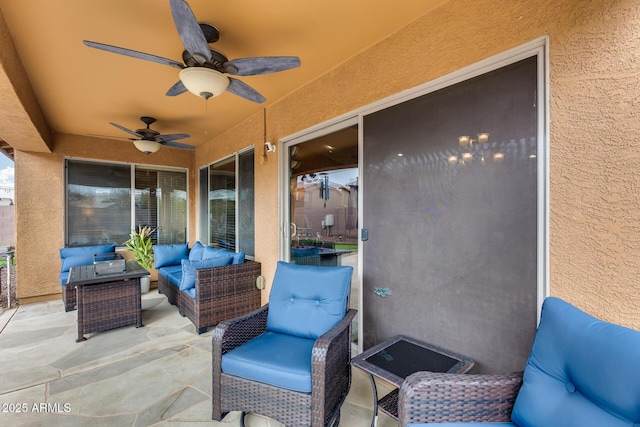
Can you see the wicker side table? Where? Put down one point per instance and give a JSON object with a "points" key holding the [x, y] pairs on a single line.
{"points": [[399, 357], [107, 301]]}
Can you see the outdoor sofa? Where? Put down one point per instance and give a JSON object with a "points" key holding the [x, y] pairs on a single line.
{"points": [[207, 284], [582, 371]]}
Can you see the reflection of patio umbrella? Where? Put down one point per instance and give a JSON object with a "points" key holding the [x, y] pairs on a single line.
{"points": [[222, 194]]}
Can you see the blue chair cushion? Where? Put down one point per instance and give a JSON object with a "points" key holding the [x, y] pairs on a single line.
{"points": [[306, 300], [165, 255], [191, 292], [196, 251], [278, 359], [582, 371], [83, 255], [189, 269]]}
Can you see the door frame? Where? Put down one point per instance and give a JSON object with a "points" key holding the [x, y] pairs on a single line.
{"points": [[538, 47]]}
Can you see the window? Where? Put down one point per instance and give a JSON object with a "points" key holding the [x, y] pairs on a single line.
{"points": [[100, 208], [227, 203]]}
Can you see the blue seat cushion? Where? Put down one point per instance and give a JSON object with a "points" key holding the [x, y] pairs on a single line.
{"points": [[191, 292], [175, 276], [189, 268], [278, 359], [196, 251], [306, 300], [582, 371], [165, 255], [168, 270], [83, 255]]}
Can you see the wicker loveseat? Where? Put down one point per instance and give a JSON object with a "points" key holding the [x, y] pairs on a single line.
{"points": [[581, 372], [207, 290]]}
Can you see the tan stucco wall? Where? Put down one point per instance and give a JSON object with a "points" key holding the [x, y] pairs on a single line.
{"points": [[594, 96]]}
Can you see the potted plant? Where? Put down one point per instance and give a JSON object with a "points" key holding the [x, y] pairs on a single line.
{"points": [[141, 246]]}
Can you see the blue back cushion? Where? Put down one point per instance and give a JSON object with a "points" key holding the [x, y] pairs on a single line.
{"points": [[582, 371], [211, 252], [196, 251], [306, 300], [189, 268], [165, 255], [73, 257]]}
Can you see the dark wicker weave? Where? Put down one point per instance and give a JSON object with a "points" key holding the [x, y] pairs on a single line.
{"points": [[221, 293], [428, 397], [104, 306], [69, 297], [331, 376]]}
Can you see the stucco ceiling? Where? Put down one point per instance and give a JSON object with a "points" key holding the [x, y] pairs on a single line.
{"points": [[80, 89]]}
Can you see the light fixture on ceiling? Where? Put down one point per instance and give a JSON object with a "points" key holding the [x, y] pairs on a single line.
{"points": [[203, 81], [147, 146]]}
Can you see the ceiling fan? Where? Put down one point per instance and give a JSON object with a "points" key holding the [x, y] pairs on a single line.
{"points": [[149, 141], [204, 70]]}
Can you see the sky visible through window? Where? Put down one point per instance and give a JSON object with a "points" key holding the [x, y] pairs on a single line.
{"points": [[6, 171]]}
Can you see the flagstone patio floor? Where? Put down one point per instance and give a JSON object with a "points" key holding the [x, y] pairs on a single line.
{"points": [[157, 375]]}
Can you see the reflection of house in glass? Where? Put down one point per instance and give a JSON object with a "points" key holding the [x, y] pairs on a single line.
{"points": [[326, 214]]}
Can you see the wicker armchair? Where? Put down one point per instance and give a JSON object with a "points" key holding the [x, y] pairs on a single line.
{"points": [[328, 359], [428, 397]]}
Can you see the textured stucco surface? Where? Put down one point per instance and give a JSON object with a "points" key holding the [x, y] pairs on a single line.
{"points": [[594, 148]]}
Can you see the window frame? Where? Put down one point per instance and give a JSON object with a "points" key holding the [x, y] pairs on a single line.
{"points": [[204, 224], [132, 187]]}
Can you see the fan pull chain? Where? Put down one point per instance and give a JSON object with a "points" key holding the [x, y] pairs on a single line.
{"points": [[206, 116]]}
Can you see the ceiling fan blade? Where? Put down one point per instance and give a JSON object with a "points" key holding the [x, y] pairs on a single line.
{"points": [[189, 30], [111, 137], [242, 89], [178, 145], [127, 130], [176, 89], [134, 54], [172, 137], [261, 65]]}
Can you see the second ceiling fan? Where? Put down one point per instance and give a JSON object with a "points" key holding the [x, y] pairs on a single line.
{"points": [[205, 70]]}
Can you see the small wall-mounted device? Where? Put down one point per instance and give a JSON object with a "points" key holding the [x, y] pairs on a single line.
{"points": [[271, 148]]}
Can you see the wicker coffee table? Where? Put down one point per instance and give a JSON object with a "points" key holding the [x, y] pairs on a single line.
{"points": [[399, 357], [107, 301]]}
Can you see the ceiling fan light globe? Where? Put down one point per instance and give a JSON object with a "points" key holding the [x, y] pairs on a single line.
{"points": [[204, 82], [147, 146]]}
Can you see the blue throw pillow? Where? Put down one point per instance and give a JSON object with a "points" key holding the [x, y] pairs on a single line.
{"points": [[189, 268], [196, 251], [165, 255]]}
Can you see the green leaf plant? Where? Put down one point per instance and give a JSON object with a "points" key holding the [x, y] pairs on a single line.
{"points": [[141, 245]]}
